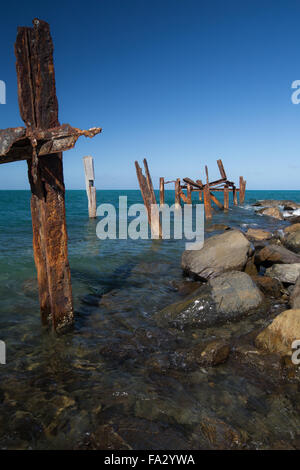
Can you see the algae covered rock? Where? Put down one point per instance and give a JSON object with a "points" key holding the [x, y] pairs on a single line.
{"points": [[227, 297]]}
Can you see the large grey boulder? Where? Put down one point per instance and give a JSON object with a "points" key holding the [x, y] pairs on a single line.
{"points": [[230, 296], [292, 241], [235, 292], [220, 253], [276, 254], [287, 273], [295, 296]]}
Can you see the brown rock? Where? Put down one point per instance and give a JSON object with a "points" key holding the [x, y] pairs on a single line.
{"points": [[251, 268], [220, 434], [271, 212], [276, 254], [280, 334], [292, 228], [216, 227], [213, 354], [258, 234], [295, 295], [269, 286], [293, 241], [105, 438]]}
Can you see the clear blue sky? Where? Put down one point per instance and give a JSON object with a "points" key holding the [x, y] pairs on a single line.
{"points": [[182, 82]]}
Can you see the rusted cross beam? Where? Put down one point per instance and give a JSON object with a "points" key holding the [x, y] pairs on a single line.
{"points": [[41, 143], [20, 143]]}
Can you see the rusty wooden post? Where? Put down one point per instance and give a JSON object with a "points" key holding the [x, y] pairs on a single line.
{"points": [[144, 190], [39, 109], [221, 169], [189, 194], [226, 198], [177, 193], [206, 197], [149, 199], [200, 191], [41, 144], [161, 191], [89, 171], [207, 202], [235, 200], [242, 190], [216, 201]]}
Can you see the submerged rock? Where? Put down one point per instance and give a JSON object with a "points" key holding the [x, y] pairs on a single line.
{"points": [[216, 227], [295, 295], [258, 234], [293, 241], [271, 212], [226, 252], [185, 287], [214, 353], [220, 434], [280, 334], [275, 254], [227, 297], [287, 273], [104, 438]]}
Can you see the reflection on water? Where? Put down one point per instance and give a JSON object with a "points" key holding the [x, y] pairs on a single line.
{"points": [[118, 380]]}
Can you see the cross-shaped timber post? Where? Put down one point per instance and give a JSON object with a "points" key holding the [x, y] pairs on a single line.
{"points": [[41, 143]]}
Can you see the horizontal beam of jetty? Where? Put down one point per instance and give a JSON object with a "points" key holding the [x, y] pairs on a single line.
{"points": [[20, 143]]}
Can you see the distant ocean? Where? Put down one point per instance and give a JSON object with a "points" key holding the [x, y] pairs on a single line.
{"points": [[117, 286]]}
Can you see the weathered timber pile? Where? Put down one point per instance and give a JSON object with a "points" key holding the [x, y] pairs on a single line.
{"points": [[41, 143]]}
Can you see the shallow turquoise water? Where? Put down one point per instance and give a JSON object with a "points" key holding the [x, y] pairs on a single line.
{"points": [[117, 286]]}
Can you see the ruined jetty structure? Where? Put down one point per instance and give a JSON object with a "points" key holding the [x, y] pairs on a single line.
{"points": [[41, 143], [206, 192]]}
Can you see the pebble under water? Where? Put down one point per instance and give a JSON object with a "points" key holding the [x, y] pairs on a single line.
{"points": [[118, 380]]}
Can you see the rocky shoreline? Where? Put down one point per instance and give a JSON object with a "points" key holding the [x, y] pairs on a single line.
{"points": [[242, 273]]}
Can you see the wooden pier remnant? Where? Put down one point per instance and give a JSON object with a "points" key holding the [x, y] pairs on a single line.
{"points": [[242, 190], [41, 143], [177, 193], [207, 190], [147, 191], [89, 172], [161, 191]]}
